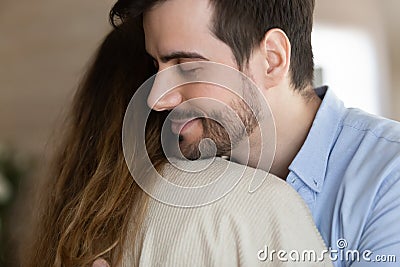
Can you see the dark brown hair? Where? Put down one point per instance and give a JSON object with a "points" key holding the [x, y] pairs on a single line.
{"points": [[242, 24], [90, 197]]}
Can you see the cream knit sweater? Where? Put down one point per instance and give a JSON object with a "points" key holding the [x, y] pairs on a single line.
{"points": [[241, 229]]}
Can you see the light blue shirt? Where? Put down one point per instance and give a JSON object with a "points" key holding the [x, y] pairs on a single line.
{"points": [[348, 172]]}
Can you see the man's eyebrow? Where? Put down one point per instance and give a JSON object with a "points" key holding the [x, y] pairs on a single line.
{"points": [[181, 54]]}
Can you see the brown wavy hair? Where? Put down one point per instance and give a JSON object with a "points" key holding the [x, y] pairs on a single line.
{"points": [[90, 197]]}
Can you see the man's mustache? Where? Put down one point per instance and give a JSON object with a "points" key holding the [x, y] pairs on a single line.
{"points": [[185, 114]]}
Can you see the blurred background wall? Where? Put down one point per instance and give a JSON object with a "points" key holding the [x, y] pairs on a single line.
{"points": [[359, 42], [45, 46]]}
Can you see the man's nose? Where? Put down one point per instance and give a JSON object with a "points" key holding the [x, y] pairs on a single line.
{"points": [[166, 102], [164, 95]]}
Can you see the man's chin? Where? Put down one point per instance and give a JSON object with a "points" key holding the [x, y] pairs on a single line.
{"points": [[193, 153], [190, 152]]}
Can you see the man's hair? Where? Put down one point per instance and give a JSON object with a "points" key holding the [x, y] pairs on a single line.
{"points": [[242, 25]]}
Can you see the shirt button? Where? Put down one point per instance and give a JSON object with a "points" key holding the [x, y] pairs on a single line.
{"points": [[293, 180]]}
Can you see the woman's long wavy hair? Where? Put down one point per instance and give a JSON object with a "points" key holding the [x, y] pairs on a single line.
{"points": [[90, 199]]}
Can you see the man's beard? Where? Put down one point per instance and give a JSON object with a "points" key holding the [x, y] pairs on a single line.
{"points": [[223, 128]]}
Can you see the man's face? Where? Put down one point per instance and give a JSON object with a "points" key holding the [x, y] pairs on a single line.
{"points": [[179, 31]]}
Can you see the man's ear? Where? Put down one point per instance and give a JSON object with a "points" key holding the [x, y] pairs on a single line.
{"points": [[276, 50]]}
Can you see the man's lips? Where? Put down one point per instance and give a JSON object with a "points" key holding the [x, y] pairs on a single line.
{"points": [[180, 127]]}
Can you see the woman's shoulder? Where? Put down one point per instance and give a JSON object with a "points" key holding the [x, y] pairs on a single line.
{"points": [[231, 229], [232, 181]]}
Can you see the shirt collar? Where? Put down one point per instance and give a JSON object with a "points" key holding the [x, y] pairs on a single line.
{"points": [[311, 161]]}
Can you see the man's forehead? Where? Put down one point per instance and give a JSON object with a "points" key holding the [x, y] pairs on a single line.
{"points": [[175, 22], [179, 11], [180, 5]]}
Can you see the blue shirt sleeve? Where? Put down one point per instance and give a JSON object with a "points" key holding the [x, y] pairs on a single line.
{"points": [[381, 235]]}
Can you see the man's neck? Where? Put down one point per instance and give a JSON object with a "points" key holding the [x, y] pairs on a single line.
{"points": [[293, 118]]}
